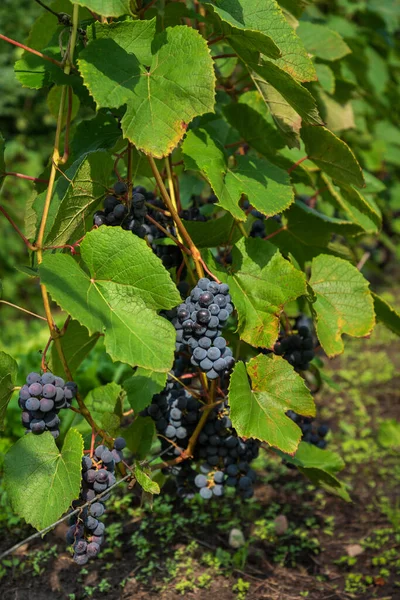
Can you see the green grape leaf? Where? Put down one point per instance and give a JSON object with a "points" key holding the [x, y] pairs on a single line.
{"points": [[332, 155], [305, 232], [53, 103], [141, 387], [321, 41], [139, 436], [343, 302], [104, 404], [353, 204], [389, 434], [386, 314], [258, 409], [8, 375], [261, 283], [215, 232], [107, 8], [75, 198], [265, 18], [320, 466], [41, 480], [145, 482], [267, 186], [123, 286], [326, 78], [76, 344], [249, 116], [101, 132], [126, 65], [2, 161]]}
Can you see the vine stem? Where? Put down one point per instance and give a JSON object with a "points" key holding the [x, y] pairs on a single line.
{"points": [[31, 50], [218, 56], [181, 228], [17, 229], [22, 176], [130, 170], [169, 235], [23, 309], [296, 164], [44, 363]]}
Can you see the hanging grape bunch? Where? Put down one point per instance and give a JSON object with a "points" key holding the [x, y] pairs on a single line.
{"points": [[41, 399], [297, 349], [116, 213], [220, 458], [199, 322], [86, 531]]}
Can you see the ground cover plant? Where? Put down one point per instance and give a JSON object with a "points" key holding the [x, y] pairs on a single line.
{"points": [[214, 194]]}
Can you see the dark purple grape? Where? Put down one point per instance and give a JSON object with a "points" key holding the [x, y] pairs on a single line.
{"points": [[32, 404], [48, 378], [35, 389], [120, 188], [49, 390], [33, 378], [206, 299], [46, 405]]}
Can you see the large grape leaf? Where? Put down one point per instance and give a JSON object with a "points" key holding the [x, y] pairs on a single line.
{"points": [[107, 8], [261, 282], [105, 405], [76, 344], [267, 186], [332, 155], [215, 232], [141, 387], [326, 78], [118, 293], [386, 314], [321, 467], [75, 198], [165, 80], [92, 134], [259, 409], [265, 17], [41, 480], [321, 41], [343, 303], [8, 375]]}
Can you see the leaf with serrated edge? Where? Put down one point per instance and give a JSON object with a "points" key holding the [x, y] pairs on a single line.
{"points": [[126, 64], [343, 302], [8, 375], [259, 411], [386, 314], [261, 283], [266, 17], [141, 387], [126, 285], [321, 41], [145, 482], [267, 186], [41, 480], [332, 155]]}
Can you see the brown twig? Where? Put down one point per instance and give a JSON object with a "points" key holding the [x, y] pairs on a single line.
{"points": [[23, 309], [296, 164], [32, 51], [17, 229], [169, 235], [22, 176]]}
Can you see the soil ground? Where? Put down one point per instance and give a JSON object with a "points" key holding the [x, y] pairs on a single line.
{"points": [[299, 541]]}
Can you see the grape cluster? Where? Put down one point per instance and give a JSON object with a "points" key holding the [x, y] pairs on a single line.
{"points": [[86, 531], [297, 349], [192, 214], [116, 213], [220, 457], [198, 323], [312, 433], [41, 399]]}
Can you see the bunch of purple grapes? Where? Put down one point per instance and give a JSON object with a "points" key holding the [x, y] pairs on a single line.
{"points": [[41, 399], [86, 531], [297, 349], [311, 432], [130, 214], [220, 457], [199, 322]]}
